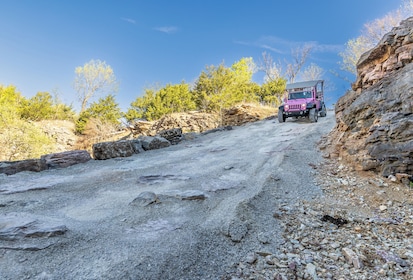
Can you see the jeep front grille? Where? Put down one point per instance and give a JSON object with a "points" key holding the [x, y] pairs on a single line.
{"points": [[295, 107]]}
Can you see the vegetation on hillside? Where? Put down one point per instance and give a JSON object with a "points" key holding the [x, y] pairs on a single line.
{"points": [[19, 137]]}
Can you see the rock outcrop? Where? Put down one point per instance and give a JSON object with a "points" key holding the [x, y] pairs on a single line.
{"points": [[241, 114], [61, 131], [374, 129], [187, 122], [200, 122]]}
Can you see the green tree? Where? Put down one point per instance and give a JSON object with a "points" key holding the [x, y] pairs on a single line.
{"points": [[242, 87], [43, 106], [272, 91], [19, 139], [139, 108], [106, 110], [211, 84], [94, 77], [220, 87], [10, 101], [169, 99]]}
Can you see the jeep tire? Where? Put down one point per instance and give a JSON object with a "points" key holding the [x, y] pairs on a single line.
{"points": [[313, 115], [323, 111], [281, 117]]}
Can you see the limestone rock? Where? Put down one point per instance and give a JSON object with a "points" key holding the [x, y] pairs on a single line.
{"points": [[153, 143], [122, 148], [239, 115], [61, 131], [192, 195], [144, 199], [188, 122], [65, 159], [15, 226], [173, 135], [374, 128], [13, 167], [393, 52]]}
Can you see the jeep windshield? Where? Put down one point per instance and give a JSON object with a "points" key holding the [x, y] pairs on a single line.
{"points": [[299, 95]]}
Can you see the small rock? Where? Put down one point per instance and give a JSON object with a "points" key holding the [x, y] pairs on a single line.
{"points": [[264, 238], [237, 231], [144, 199], [401, 176], [311, 270], [392, 178], [193, 195], [352, 258], [251, 258], [269, 260], [382, 208], [335, 245]]}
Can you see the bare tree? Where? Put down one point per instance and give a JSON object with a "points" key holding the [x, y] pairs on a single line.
{"points": [[272, 71], [312, 72], [371, 34], [94, 77], [300, 56]]}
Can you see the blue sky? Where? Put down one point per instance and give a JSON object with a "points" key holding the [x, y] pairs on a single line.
{"points": [[158, 42]]}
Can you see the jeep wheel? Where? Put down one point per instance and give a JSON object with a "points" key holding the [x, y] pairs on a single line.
{"points": [[313, 116], [323, 111], [281, 117]]}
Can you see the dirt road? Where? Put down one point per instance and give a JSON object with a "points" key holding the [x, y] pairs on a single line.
{"points": [[189, 211]]}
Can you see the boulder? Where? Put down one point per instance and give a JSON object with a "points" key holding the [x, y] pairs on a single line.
{"points": [[173, 135], [13, 167], [65, 159], [153, 143], [114, 149]]}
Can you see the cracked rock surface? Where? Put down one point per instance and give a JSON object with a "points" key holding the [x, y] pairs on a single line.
{"points": [[242, 203]]}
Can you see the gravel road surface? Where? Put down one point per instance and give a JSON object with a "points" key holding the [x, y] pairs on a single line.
{"points": [[189, 211]]}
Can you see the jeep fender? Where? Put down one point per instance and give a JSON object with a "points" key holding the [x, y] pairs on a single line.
{"points": [[311, 105]]}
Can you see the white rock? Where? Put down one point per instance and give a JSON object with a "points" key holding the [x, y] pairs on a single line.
{"points": [[382, 208]]}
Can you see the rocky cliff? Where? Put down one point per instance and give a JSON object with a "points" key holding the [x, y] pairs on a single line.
{"points": [[374, 129]]}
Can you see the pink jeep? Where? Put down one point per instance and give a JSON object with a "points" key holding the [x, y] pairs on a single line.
{"points": [[304, 99]]}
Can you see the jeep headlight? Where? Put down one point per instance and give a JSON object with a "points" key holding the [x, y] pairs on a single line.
{"points": [[303, 106], [286, 107]]}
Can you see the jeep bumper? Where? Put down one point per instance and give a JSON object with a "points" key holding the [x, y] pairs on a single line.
{"points": [[302, 113]]}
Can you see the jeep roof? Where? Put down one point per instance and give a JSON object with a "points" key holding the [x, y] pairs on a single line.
{"points": [[300, 85]]}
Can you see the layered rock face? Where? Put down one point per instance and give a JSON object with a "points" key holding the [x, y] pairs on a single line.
{"points": [[374, 128], [200, 122]]}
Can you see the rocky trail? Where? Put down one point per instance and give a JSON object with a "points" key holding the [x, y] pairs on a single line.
{"points": [[252, 202]]}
